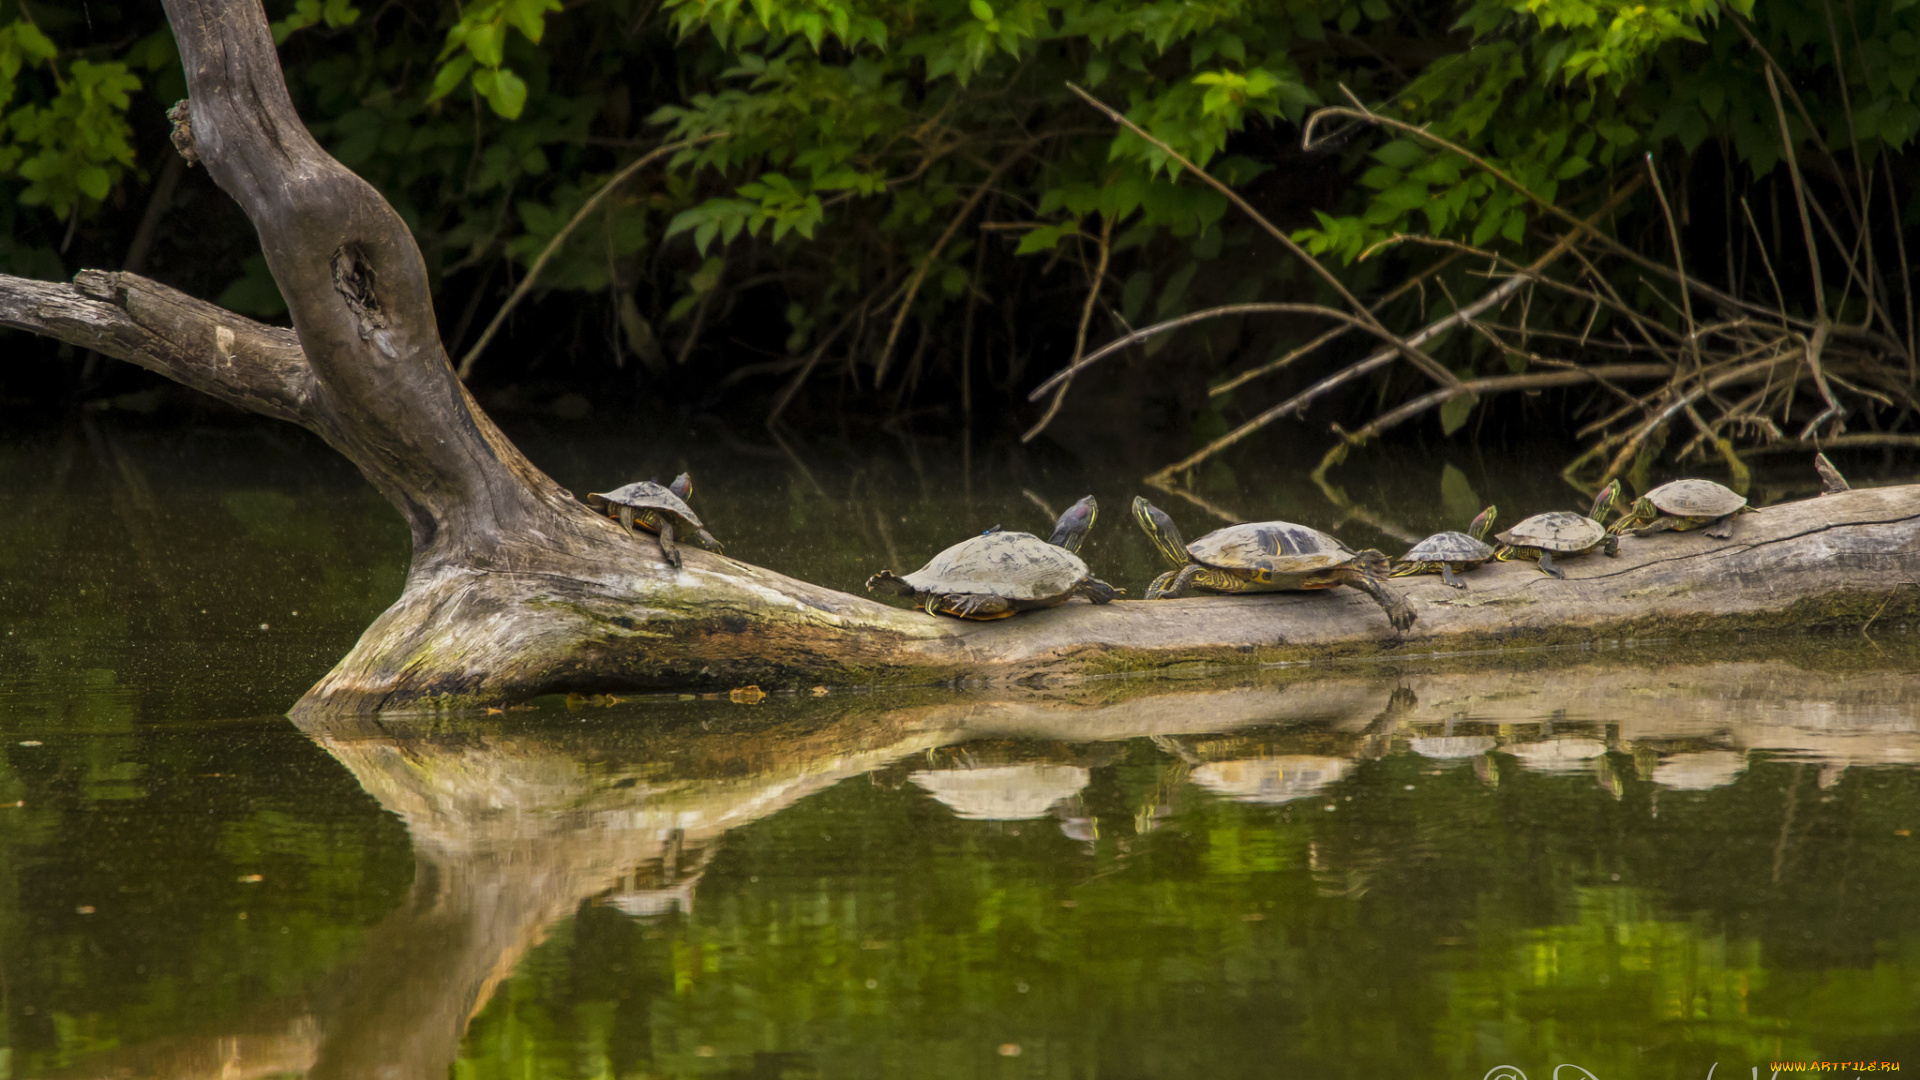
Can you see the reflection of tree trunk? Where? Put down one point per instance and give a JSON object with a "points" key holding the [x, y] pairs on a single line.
{"points": [[513, 829], [517, 589]]}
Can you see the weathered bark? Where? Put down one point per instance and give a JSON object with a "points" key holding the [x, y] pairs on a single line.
{"points": [[517, 589]]}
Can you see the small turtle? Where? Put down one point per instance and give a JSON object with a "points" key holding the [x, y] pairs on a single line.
{"points": [[1265, 556], [662, 511], [1447, 553], [1681, 505], [999, 573], [1561, 533]]}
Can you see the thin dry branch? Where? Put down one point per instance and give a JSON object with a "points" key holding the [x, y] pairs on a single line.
{"points": [[1406, 348], [1096, 279], [1499, 294], [986, 187], [540, 261]]}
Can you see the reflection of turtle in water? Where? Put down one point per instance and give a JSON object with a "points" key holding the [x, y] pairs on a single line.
{"points": [[662, 511], [1446, 553], [1561, 533], [1681, 505], [1264, 556], [998, 573]]}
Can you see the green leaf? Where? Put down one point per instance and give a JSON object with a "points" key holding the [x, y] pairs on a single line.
{"points": [[507, 93], [93, 181], [1458, 497], [1402, 154], [1454, 412], [1046, 237], [36, 45], [449, 77], [981, 10]]}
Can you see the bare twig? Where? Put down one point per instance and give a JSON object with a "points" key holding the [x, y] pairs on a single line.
{"points": [[1291, 355], [1096, 279], [1492, 298], [987, 187], [1679, 263], [553, 245], [1411, 351]]}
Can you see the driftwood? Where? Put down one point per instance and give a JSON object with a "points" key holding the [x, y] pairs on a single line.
{"points": [[517, 589], [514, 826]]}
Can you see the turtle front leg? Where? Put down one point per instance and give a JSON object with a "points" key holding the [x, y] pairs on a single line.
{"points": [[1547, 566], [666, 543], [1182, 583], [1657, 525], [626, 520], [1449, 577]]}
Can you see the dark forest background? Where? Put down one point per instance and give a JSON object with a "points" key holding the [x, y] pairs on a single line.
{"points": [[1686, 222]]}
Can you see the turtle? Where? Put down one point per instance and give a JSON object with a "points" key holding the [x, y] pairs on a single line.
{"points": [[1000, 572], [1449, 552], [1265, 556], [1680, 505], [1560, 532], [662, 511]]}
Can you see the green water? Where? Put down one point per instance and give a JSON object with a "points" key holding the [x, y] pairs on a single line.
{"points": [[1645, 859]]}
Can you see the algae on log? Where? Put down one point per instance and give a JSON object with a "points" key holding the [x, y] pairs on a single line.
{"points": [[517, 589]]}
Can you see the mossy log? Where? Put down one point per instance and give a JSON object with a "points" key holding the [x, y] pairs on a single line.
{"points": [[517, 589]]}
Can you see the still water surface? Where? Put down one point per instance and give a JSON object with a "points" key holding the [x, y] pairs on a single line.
{"points": [[1643, 859]]}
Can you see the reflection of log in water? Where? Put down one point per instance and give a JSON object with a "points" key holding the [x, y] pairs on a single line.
{"points": [[514, 827]]}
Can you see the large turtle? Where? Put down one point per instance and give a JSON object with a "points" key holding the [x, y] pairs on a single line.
{"points": [[1561, 533], [999, 573], [662, 511], [1264, 556], [1680, 505], [1446, 553]]}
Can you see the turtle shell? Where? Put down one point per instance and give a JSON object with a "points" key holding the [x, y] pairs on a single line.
{"points": [[1695, 499], [1557, 530], [1014, 565], [1277, 547], [645, 495], [1449, 547]]}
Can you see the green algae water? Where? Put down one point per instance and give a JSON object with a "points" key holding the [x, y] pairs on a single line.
{"points": [[1639, 859]]}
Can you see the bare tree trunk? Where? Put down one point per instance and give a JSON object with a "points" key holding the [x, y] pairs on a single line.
{"points": [[517, 589]]}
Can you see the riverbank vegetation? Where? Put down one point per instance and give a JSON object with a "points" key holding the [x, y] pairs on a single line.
{"points": [[1675, 228]]}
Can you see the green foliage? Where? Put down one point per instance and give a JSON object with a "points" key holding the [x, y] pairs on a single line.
{"points": [[68, 137], [854, 146], [475, 52]]}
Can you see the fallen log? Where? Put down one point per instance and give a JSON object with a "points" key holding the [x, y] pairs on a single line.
{"points": [[517, 589]]}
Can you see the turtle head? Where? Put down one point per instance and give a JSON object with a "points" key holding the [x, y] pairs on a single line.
{"points": [[682, 486], [1482, 526], [1161, 530], [1604, 502], [1072, 528]]}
